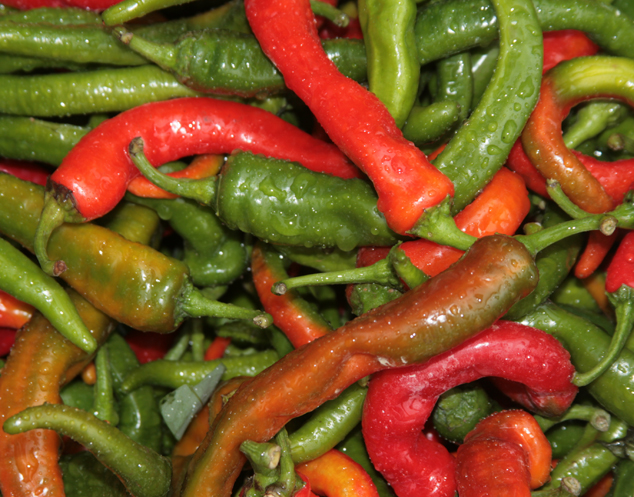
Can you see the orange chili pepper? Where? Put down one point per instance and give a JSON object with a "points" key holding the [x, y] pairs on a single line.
{"points": [[217, 348], [13, 312]]}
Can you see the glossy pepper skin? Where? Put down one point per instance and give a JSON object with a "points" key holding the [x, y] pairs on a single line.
{"points": [[422, 323], [400, 401], [40, 362], [506, 454], [355, 119]]}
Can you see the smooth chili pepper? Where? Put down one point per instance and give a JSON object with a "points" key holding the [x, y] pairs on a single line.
{"points": [[7, 339], [84, 4], [455, 82], [214, 254], [83, 474], [299, 321], [202, 61], [429, 123], [143, 472], [25, 170], [216, 348], [569, 83], [173, 374], [446, 28], [103, 404], [507, 453], [414, 465], [13, 312], [405, 181], [159, 304], [596, 250], [408, 329], [336, 474], [40, 362], [54, 16], [566, 44], [591, 120], [311, 209], [393, 68], [624, 479], [500, 208], [204, 126], [23, 279], [148, 346]]}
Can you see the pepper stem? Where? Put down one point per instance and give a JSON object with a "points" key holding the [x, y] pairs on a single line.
{"points": [[103, 405], [620, 142], [379, 272], [161, 54], [264, 457], [52, 217], [597, 417], [338, 17], [437, 225], [560, 198], [202, 191], [196, 305]]}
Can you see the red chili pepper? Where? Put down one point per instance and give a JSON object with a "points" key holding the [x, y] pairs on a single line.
{"points": [[25, 170], [505, 454], [621, 269], [217, 348], [13, 312], [602, 488], [291, 314], [203, 166], [354, 118], [400, 401], [597, 248], [566, 44], [149, 346], [7, 339], [335, 474]]}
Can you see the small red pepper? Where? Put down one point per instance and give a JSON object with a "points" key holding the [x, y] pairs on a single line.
{"points": [[335, 474], [596, 249], [25, 170], [354, 118], [217, 348], [13, 312], [149, 346], [505, 454], [400, 401]]}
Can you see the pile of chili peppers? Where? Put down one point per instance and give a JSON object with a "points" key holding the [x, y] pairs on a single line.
{"points": [[279, 248]]}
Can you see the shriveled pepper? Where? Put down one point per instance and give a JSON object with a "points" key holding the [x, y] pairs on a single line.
{"points": [[400, 401], [423, 322], [363, 129], [80, 190], [506, 454]]}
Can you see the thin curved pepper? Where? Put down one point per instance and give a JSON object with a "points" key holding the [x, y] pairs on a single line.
{"points": [[411, 328], [335, 474], [596, 249], [564, 86], [157, 304], [506, 454], [400, 401], [80, 191], [405, 181], [40, 362], [23, 279], [25, 170], [13, 312], [144, 472], [291, 313]]}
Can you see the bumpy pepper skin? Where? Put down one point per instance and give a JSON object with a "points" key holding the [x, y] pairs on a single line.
{"points": [[425, 321], [302, 207], [40, 362], [354, 118]]}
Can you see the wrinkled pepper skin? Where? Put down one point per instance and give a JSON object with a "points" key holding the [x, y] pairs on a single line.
{"points": [[425, 321], [40, 362]]}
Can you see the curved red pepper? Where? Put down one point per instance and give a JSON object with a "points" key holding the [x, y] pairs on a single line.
{"points": [[98, 169], [25, 170], [354, 118], [335, 474], [505, 454], [400, 401], [566, 44]]}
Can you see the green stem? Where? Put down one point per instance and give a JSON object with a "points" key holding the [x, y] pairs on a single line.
{"points": [[196, 305], [52, 217], [179, 348], [285, 486], [264, 457], [620, 142], [437, 225], [197, 340], [331, 13], [598, 418], [202, 191], [380, 272], [624, 323], [103, 405], [559, 197], [161, 54], [144, 472]]}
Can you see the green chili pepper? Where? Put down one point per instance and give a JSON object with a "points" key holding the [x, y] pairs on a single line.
{"points": [[592, 119], [85, 476], [119, 283], [393, 68], [78, 394], [311, 209], [483, 61], [429, 123], [24, 279], [330, 259], [367, 296], [328, 425], [624, 479], [564, 437], [173, 374], [214, 254], [54, 16], [455, 82], [103, 406], [144, 472]]}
